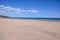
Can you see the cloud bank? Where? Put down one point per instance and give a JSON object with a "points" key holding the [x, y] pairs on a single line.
{"points": [[9, 9]]}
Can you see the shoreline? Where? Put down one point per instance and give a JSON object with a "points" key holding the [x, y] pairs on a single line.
{"points": [[33, 19]]}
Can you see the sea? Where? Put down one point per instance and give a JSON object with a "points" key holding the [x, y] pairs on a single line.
{"points": [[36, 18], [29, 18]]}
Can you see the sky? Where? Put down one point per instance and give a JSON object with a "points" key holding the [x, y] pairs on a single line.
{"points": [[30, 8]]}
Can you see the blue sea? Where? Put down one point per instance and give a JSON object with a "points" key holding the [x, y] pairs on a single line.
{"points": [[36, 18], [29, 18]]}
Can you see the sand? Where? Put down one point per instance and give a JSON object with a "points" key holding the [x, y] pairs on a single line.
{"points": [[23, 29]]}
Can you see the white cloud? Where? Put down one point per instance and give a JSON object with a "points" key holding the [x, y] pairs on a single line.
{"points": [[2, 12], [9, 9], [18, 10], [1, 5], [33, 11]]}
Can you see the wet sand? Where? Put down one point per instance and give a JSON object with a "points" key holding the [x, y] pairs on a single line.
{"points": [[23, 29]]}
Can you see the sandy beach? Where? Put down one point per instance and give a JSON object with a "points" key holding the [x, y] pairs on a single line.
{"points": [[23, 29]]}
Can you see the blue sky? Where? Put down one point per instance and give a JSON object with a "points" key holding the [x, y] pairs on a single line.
{"points": [[30, 8]]}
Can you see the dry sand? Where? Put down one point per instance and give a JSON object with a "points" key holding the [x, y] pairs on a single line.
{"points": [[23, 29]]}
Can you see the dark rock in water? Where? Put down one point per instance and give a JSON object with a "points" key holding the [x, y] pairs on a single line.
{"points": [[1, 16]]}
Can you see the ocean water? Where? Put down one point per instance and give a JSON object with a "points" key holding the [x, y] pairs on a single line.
{"points": [[37, 18], [47, 18], [29, 18]]}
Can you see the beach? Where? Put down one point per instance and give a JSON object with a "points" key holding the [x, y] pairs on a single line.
{"points": [[24, 29]]}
